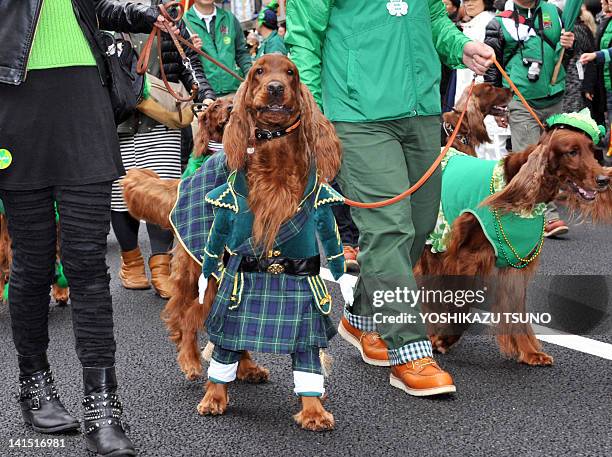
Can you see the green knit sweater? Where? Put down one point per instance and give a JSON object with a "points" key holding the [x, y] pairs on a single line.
{"points": [[59, 40]]}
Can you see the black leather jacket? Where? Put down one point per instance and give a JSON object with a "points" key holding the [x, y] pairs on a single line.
{"points": [[18, 20], [176, 71]]}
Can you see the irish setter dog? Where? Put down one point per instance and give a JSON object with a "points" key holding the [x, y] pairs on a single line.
{"points": [[276, 176], [151, 199], [211, 125], [486, 100], [562, 160]]}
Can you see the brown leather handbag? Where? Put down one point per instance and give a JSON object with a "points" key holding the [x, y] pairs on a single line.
{"points": [[162, 106]]}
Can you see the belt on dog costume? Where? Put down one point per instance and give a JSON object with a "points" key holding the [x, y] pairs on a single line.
{"points": [[310, 266], [247, 259]]}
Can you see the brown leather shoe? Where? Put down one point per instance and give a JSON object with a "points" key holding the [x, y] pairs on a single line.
{"points": [[132, 272], [421, 378], [555, 228], [160, 274], [372, 348]]}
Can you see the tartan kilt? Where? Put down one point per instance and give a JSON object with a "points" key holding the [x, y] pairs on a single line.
{"points": [[275, 313]]}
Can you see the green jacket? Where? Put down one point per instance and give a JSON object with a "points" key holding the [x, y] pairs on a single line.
{"points": [[362, 64], [533, 47], [228, 47], [233, 225], [272, 43]]}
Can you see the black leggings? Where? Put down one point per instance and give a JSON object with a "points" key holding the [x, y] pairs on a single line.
{"points": [[126, 231], [85, 223]]}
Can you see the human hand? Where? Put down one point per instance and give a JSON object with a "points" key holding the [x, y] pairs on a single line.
{"points": [[161, 22], [202, 284], [567, 39], [346, 288], [478, 57], [587, 57], [502, 121], [196, 40]]}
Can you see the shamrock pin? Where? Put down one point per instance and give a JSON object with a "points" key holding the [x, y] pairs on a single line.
{"points": [[397, 8]]}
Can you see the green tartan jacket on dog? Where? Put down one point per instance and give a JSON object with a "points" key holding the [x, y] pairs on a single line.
{"points": [[233, 224], [262, 312]]}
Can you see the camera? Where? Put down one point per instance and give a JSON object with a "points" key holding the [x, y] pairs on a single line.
{"points": [[533, 72]]}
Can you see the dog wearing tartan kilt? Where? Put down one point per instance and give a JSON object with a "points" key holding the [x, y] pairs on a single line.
{"points": [[260, 259]]}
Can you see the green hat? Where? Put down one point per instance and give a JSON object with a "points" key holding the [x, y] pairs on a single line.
{"points": [[581, 120], [261, 17]]}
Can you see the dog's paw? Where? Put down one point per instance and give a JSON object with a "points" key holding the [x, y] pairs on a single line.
{"points": [[191, 368], [536, 359], [315, 422], [249, 371], [215, 400], [313, 416], [442, 343], [193, 374], [61, 295]]}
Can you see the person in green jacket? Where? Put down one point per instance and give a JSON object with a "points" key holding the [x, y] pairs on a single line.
{"points": [[374, 68], [268, 28], [218, 33]]}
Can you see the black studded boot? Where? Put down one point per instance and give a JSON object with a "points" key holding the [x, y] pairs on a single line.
{"points": [[104, 428], [38, 398]]}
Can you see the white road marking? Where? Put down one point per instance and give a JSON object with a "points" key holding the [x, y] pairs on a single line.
{"points": [[556, 337]]}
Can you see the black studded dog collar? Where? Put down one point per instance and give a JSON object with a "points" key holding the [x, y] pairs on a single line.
{"points": [[264, 134]]}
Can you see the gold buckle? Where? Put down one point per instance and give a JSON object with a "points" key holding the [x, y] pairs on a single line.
{"points": [[274, 253], [276, 269]]}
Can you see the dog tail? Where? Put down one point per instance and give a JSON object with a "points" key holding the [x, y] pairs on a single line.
{"points": [[148, 197]]}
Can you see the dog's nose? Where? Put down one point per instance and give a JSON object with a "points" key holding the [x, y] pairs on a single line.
{"points": [[602, 181], [276, 88]]}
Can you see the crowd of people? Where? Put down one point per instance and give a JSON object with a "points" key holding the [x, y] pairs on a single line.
{"points": [[376, 80]]}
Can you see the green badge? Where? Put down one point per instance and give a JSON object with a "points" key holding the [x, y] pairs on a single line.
{"points": [[227, 39], [5, 159]]}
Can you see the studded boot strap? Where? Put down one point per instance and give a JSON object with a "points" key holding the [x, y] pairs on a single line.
{"points": [[37, 388], [103, 410]]}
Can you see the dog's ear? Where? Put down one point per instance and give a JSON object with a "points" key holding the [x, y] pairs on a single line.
{"points": [[203, 136], [320, 137], [239, 129], [475, 120], [521, 193]]}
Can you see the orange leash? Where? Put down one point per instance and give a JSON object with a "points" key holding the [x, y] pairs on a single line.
{"points": [[428, 173], [518, 93], [434, 165]]}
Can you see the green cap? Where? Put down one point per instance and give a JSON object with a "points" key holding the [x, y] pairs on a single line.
{"points": [[581, 120]]}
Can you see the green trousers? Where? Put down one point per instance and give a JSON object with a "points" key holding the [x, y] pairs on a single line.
{"points": [[381, 160]]}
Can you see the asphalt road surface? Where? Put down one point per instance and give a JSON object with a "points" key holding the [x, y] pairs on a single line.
{"points": [[501, 408]]}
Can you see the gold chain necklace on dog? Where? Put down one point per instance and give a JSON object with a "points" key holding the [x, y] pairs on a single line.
{"points": [[397, 7]]}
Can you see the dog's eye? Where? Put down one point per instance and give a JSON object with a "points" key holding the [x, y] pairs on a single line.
{"points": [[290, 72], [259, 71], [573, 153]]}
